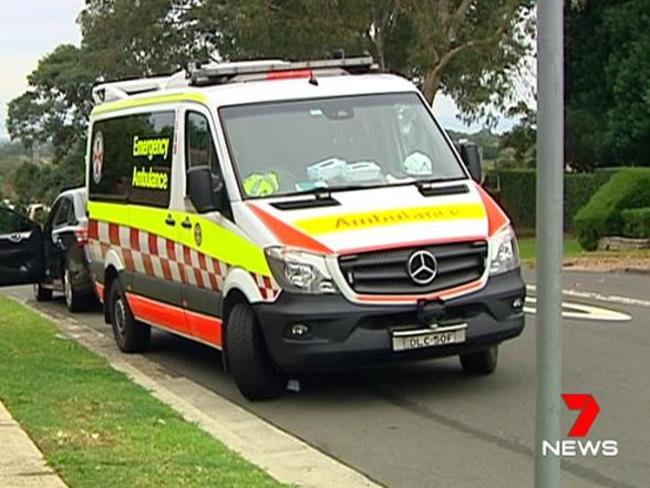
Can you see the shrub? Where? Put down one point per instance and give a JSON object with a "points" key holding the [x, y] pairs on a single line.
{"points": [[518, 190], [601, 216], [636, 222]]}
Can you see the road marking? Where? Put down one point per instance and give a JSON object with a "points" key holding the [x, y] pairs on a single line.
{"points": [[582, 312], [592, 295]]}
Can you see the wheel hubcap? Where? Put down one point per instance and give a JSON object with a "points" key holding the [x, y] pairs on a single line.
{"points": [[120, 315]]}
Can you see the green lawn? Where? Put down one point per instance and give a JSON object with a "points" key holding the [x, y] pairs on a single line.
{"points": [[528, 247], [96, 427]]}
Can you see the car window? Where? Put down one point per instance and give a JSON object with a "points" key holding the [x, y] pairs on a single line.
{"points": [[12, 222], [288, 147], [199, 146], [64, 213], [131, 159]]}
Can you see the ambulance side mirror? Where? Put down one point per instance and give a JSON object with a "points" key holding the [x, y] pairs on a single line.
{"points": [[473, 160], [205, 189]]}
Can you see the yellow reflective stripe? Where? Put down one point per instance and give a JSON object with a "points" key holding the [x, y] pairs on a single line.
{"points": [[223, 244], [217, 241], [140, 102], [384, 218]]}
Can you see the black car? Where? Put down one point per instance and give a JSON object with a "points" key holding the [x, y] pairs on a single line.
{"points": [[55, 256]]}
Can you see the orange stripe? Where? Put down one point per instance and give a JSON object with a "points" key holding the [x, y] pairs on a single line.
{"points": [[194, 325], [205, 328], [154, 312], [287, 234], [497, 218]]}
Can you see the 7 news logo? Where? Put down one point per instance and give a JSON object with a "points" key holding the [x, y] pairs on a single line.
{"points": [[589, 410]]}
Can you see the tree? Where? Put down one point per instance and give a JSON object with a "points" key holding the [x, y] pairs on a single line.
{"points": [[469, 49], [608, 83], [129, 38], [521, 140]]}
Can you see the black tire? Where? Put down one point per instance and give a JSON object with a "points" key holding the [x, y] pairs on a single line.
{"points": [[480, 363], [75, 301], [248, 360], [42, 294], [130, 335]]}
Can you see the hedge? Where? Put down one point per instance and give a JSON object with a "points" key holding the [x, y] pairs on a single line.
{"points": [[602, 216], [636, 222], [517, 190]]}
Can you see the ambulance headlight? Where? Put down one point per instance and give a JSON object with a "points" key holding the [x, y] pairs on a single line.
{"points": [[504, 252], [299, 271]]}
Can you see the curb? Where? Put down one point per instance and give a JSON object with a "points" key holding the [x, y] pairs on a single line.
{"points": [[282, 455], [22, 463]]}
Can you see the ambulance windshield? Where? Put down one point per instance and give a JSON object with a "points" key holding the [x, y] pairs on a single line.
{"points": [[291, 147]]}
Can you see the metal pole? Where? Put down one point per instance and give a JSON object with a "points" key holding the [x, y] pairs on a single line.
{"points": [[550, 183]]}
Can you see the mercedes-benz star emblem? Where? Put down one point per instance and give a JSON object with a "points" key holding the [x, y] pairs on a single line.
{"points": [[422, 267]]}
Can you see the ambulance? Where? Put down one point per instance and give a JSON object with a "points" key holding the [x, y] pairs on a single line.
{"points": [[297, 216]]}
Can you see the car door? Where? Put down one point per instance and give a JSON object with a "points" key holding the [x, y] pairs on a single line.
{"points": [[21, 249], [201, 299], [63, 236]]}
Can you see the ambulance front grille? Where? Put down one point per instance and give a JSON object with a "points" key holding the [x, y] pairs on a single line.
{"points": [[386, 273]]}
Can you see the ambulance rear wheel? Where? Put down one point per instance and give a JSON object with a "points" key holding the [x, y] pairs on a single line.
{"points": [[130, 335], [248, 359]]}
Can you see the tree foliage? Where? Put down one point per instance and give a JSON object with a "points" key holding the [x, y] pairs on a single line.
{"points": [[469, 49], [608, 83]]}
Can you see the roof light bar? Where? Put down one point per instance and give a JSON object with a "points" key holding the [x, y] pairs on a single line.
{"points": [[221, 73]]}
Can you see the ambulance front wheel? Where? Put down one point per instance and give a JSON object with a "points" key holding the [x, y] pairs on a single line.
{"points": [[480, 363], [248, 359], [130, 335]]}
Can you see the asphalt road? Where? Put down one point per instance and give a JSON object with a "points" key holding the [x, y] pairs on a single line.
{"points": [[427, 425]]}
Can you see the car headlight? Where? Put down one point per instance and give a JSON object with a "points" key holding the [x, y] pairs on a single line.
{"points": [[299, 271], [504, 252]]}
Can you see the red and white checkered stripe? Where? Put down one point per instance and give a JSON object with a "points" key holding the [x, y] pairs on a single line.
{"points": [[156, 256]]}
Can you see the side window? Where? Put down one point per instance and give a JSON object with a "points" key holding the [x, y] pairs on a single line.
{"points": [[199, 145], [131, 159], [63, 212], [12, 223]]}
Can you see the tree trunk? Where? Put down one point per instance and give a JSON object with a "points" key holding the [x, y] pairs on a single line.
{"points": [[431, 84]]}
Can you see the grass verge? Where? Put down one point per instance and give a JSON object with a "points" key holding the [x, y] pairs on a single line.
{"points": [[96, 427], [528, 247]]}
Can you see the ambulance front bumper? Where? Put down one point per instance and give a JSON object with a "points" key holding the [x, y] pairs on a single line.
{"points": [[335, 333]]}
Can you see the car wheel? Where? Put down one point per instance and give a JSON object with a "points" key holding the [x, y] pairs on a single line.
{"points": [[480, 363], [73, 299], [130, 335], [41, 293], [248, 360]]}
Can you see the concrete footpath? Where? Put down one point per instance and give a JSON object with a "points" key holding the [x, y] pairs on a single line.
{"points": [[21, 463]]}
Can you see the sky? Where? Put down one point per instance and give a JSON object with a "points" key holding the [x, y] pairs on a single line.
{"points": [[29, 29]]}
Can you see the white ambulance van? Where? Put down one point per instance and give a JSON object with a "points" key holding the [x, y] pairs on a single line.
{"points": [[296, 216]]}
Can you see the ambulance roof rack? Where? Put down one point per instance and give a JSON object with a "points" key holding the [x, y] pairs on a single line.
{"points": [[198, 74], [216, 74], [116, 90]]}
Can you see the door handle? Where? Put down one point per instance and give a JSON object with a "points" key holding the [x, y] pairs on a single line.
{"points": [[186, 224], [170, 221]]}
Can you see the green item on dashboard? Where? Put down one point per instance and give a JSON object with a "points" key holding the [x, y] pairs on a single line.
{"points": [[261, 184]]}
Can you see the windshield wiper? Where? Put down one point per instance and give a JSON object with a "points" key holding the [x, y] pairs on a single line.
{"points": [[326, 192]]}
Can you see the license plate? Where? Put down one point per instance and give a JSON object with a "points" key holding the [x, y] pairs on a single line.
{"points": [[407, 340]]}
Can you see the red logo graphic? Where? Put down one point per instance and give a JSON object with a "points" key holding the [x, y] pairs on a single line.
{"points": [[589, 410]]}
